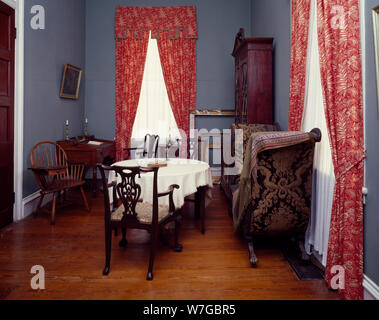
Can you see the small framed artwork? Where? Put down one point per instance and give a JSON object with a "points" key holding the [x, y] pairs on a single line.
{"points": [[70, 82], [375, 20]]}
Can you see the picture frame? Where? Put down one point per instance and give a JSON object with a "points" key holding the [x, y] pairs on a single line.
{"points": [[70, 82], [375, 22]]}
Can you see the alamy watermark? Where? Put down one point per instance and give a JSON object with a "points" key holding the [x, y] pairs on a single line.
{"points": [[38, 281], [338, 279], [38, 20], [338, 19]]}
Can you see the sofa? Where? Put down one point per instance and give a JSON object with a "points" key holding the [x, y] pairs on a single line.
{"points": [[272, 194], [229, 182]]}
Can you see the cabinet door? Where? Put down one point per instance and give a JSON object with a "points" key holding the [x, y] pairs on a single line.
{"points": [[237, 94], [241, 87], [244, 91]]}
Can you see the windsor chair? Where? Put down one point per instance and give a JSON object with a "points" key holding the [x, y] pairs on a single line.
{"points": [[54, 173]]}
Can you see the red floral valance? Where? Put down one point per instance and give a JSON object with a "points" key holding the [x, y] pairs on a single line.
{"points": [[132, 21]]}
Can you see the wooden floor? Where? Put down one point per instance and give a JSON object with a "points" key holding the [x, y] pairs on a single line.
{"points": [[211, 266]]}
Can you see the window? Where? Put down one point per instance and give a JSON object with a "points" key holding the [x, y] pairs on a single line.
{"points": [[154, 113]]}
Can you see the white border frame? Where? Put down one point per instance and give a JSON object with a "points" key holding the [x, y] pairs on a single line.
{"points": [[18, 210]]}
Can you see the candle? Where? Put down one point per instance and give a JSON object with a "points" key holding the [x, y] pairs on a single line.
{"points": [[66, 122], [86, 120]]}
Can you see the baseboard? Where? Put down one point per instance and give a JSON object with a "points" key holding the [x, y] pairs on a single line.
{"points": [[30, 202], [370, 289]]}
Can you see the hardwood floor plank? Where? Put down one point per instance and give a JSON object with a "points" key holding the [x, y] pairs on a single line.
{"points": [[211, 266]]}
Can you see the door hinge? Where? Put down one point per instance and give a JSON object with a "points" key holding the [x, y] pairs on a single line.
{"points": [[15, 33]]}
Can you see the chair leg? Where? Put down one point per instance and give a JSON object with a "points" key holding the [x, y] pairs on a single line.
{"points": [[152, 254], [178, 221], [39, 204], [84, 198], [123, 242], [52, 222], [114, 199], [108, 247], [252, 257]]}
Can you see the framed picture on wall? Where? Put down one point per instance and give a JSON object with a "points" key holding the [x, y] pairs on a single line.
{"points": [[70, 82], [375, 20]]}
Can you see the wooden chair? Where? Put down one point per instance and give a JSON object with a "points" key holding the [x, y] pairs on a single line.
{"points": [[149, 150], [135, 214], [54, 174]]}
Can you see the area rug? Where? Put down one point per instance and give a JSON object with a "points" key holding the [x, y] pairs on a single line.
{"points": [[305, 270]]}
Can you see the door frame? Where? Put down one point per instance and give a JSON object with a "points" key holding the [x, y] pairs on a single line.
{"points": [[18, 209]]}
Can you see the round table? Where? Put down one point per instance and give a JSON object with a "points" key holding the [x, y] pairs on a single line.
{"points": [[189, 174]]}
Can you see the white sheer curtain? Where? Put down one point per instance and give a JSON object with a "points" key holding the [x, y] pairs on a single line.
{"points": [[317, 235], [154, 114]]}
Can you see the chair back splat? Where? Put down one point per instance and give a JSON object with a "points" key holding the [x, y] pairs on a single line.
{"points": [[149, 150], [134, 213]]}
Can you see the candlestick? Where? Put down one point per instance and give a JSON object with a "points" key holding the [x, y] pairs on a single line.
{"points": [[67, 138], [86, 128]]}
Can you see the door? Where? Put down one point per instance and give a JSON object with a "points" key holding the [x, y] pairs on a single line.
{"points": [[7, 52]]}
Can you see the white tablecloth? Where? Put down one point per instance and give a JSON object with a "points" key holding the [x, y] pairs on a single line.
{"points": [[187, 173]]}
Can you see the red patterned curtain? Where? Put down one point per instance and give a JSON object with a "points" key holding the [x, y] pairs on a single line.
{"points": [[178, 58], [299, 45], [341, 77], [175, 29], [130, 64]]}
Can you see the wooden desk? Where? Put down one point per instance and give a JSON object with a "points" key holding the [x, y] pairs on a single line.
{"points": [[90, 154]]}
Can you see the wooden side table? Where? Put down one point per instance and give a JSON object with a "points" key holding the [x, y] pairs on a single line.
{"points": [[91, 152]]}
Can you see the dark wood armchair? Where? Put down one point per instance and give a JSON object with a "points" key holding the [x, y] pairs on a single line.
{"points": [[149, 150], [135, 214], [54, 174]]}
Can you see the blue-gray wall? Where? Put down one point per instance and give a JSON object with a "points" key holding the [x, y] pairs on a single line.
{"points": [[371, 217], [218, 22], [46, 52], [272, 18]]}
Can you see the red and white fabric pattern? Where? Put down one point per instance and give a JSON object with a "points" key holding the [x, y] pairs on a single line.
{"points": [[176, 31], [298, 68], [341, 77]]}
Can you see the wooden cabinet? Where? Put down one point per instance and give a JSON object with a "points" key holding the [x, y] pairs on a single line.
{"points": [[253, 79]]}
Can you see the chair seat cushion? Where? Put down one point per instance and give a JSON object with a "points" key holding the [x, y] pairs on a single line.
{"points": [[144, 212]]}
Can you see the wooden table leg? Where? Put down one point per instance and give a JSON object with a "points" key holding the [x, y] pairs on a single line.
{"points": [[94, 181], [200, 206], [197, 204]]}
